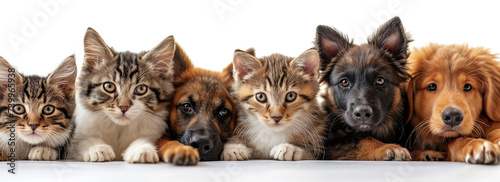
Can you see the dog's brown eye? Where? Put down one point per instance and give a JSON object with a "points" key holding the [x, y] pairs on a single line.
{"points": [[467, 87], [380, 81], [223, 112], [432, 87], [186, 108], [344, 83], [141, 90], [109, 87], [291, 96], [261, 97], [19, 109], [48, 109]]}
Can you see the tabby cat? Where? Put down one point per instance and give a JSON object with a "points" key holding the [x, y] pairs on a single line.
{"points": [[38, 111], [279, 116], [122, 101]]}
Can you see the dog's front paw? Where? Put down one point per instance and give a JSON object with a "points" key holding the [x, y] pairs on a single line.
{"points": [[391, 152], [181, 155], [142, 154], [42, 154], [428, 155], [480, 151], [99, 153], [287, 152], [235, 152]]}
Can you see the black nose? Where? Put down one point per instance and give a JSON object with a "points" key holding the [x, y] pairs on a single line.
{"points": [[452, 116], [363, 112], [202, 142]]}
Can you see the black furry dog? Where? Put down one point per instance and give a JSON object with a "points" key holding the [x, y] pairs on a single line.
{"points": [[365, 92]]}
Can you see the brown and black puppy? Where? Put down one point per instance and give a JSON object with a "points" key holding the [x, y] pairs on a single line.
{"points": [[202, 114], [365, 92], [455, 91]]}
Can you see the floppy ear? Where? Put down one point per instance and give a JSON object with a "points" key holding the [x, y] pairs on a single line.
{"points": [[330, 42], [492, 93], [96, 50], [6, 72], [182, 62], [161, 57], [308, 62], [409, 93], [392, 37], [64, 76], [244, 64]]}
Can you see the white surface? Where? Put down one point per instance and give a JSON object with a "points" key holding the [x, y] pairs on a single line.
{"points": [[274, 171]]}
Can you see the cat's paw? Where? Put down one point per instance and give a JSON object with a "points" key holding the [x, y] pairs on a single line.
{"points": [[480, 151], [235, 152], [287, 152], [99, 153], [391, 152], [181, 155], [42, 154], [428, 155], [143, 154]]}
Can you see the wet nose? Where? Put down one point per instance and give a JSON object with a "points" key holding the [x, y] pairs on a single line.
{"points": [[33, 125], [124, 109], [363, 112], [452, 116], [202, 142], [277, 118]]}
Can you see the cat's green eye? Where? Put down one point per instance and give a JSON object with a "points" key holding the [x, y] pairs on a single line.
{"points": [[109, 87], [344, 82], [291, 96], [141, 90], [261, 97], [19, 109], [380, 80], [48, 109]]}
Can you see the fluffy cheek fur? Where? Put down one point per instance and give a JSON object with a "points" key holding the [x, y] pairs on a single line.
{"points": [[431, 104]]}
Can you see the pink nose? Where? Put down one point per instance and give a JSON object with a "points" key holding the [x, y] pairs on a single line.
{"points": [[124, 108], [33, 125]]}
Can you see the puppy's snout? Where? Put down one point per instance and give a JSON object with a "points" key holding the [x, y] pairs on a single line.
{"points": [[363, 112], [452, 116], [202, 142]]}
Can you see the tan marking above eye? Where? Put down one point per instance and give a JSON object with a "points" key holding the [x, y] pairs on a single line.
{"points": [[109, 87]]}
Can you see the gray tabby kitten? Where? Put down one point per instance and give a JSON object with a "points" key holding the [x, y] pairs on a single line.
{"points": [[122, 101], [278, 113], [40, 115]]}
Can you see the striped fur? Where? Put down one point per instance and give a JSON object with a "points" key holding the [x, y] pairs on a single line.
{"points": [[42, 112], [276, 128], [123, 101]]}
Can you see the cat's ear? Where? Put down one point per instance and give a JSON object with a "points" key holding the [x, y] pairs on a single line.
{"points": [[161, 56], [244, 64], [392, 37], [308, 62], [182, 62], [64, 76], [96, 50], [330, 42], [7, 73]]}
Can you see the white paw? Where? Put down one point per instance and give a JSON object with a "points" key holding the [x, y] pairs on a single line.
{"points": [[235, 152], [42, 154], [287, 152], [99, 153], [142, 154]]}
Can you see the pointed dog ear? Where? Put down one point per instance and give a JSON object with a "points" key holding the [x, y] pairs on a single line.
{"points": [[392, 37], [330, 43]]}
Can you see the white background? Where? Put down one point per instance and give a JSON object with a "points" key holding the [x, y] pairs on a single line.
{"points": [[35, 39]]}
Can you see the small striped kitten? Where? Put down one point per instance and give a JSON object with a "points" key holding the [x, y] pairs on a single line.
{"points": [[36, 112], [278, 114], [122, 102]]}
